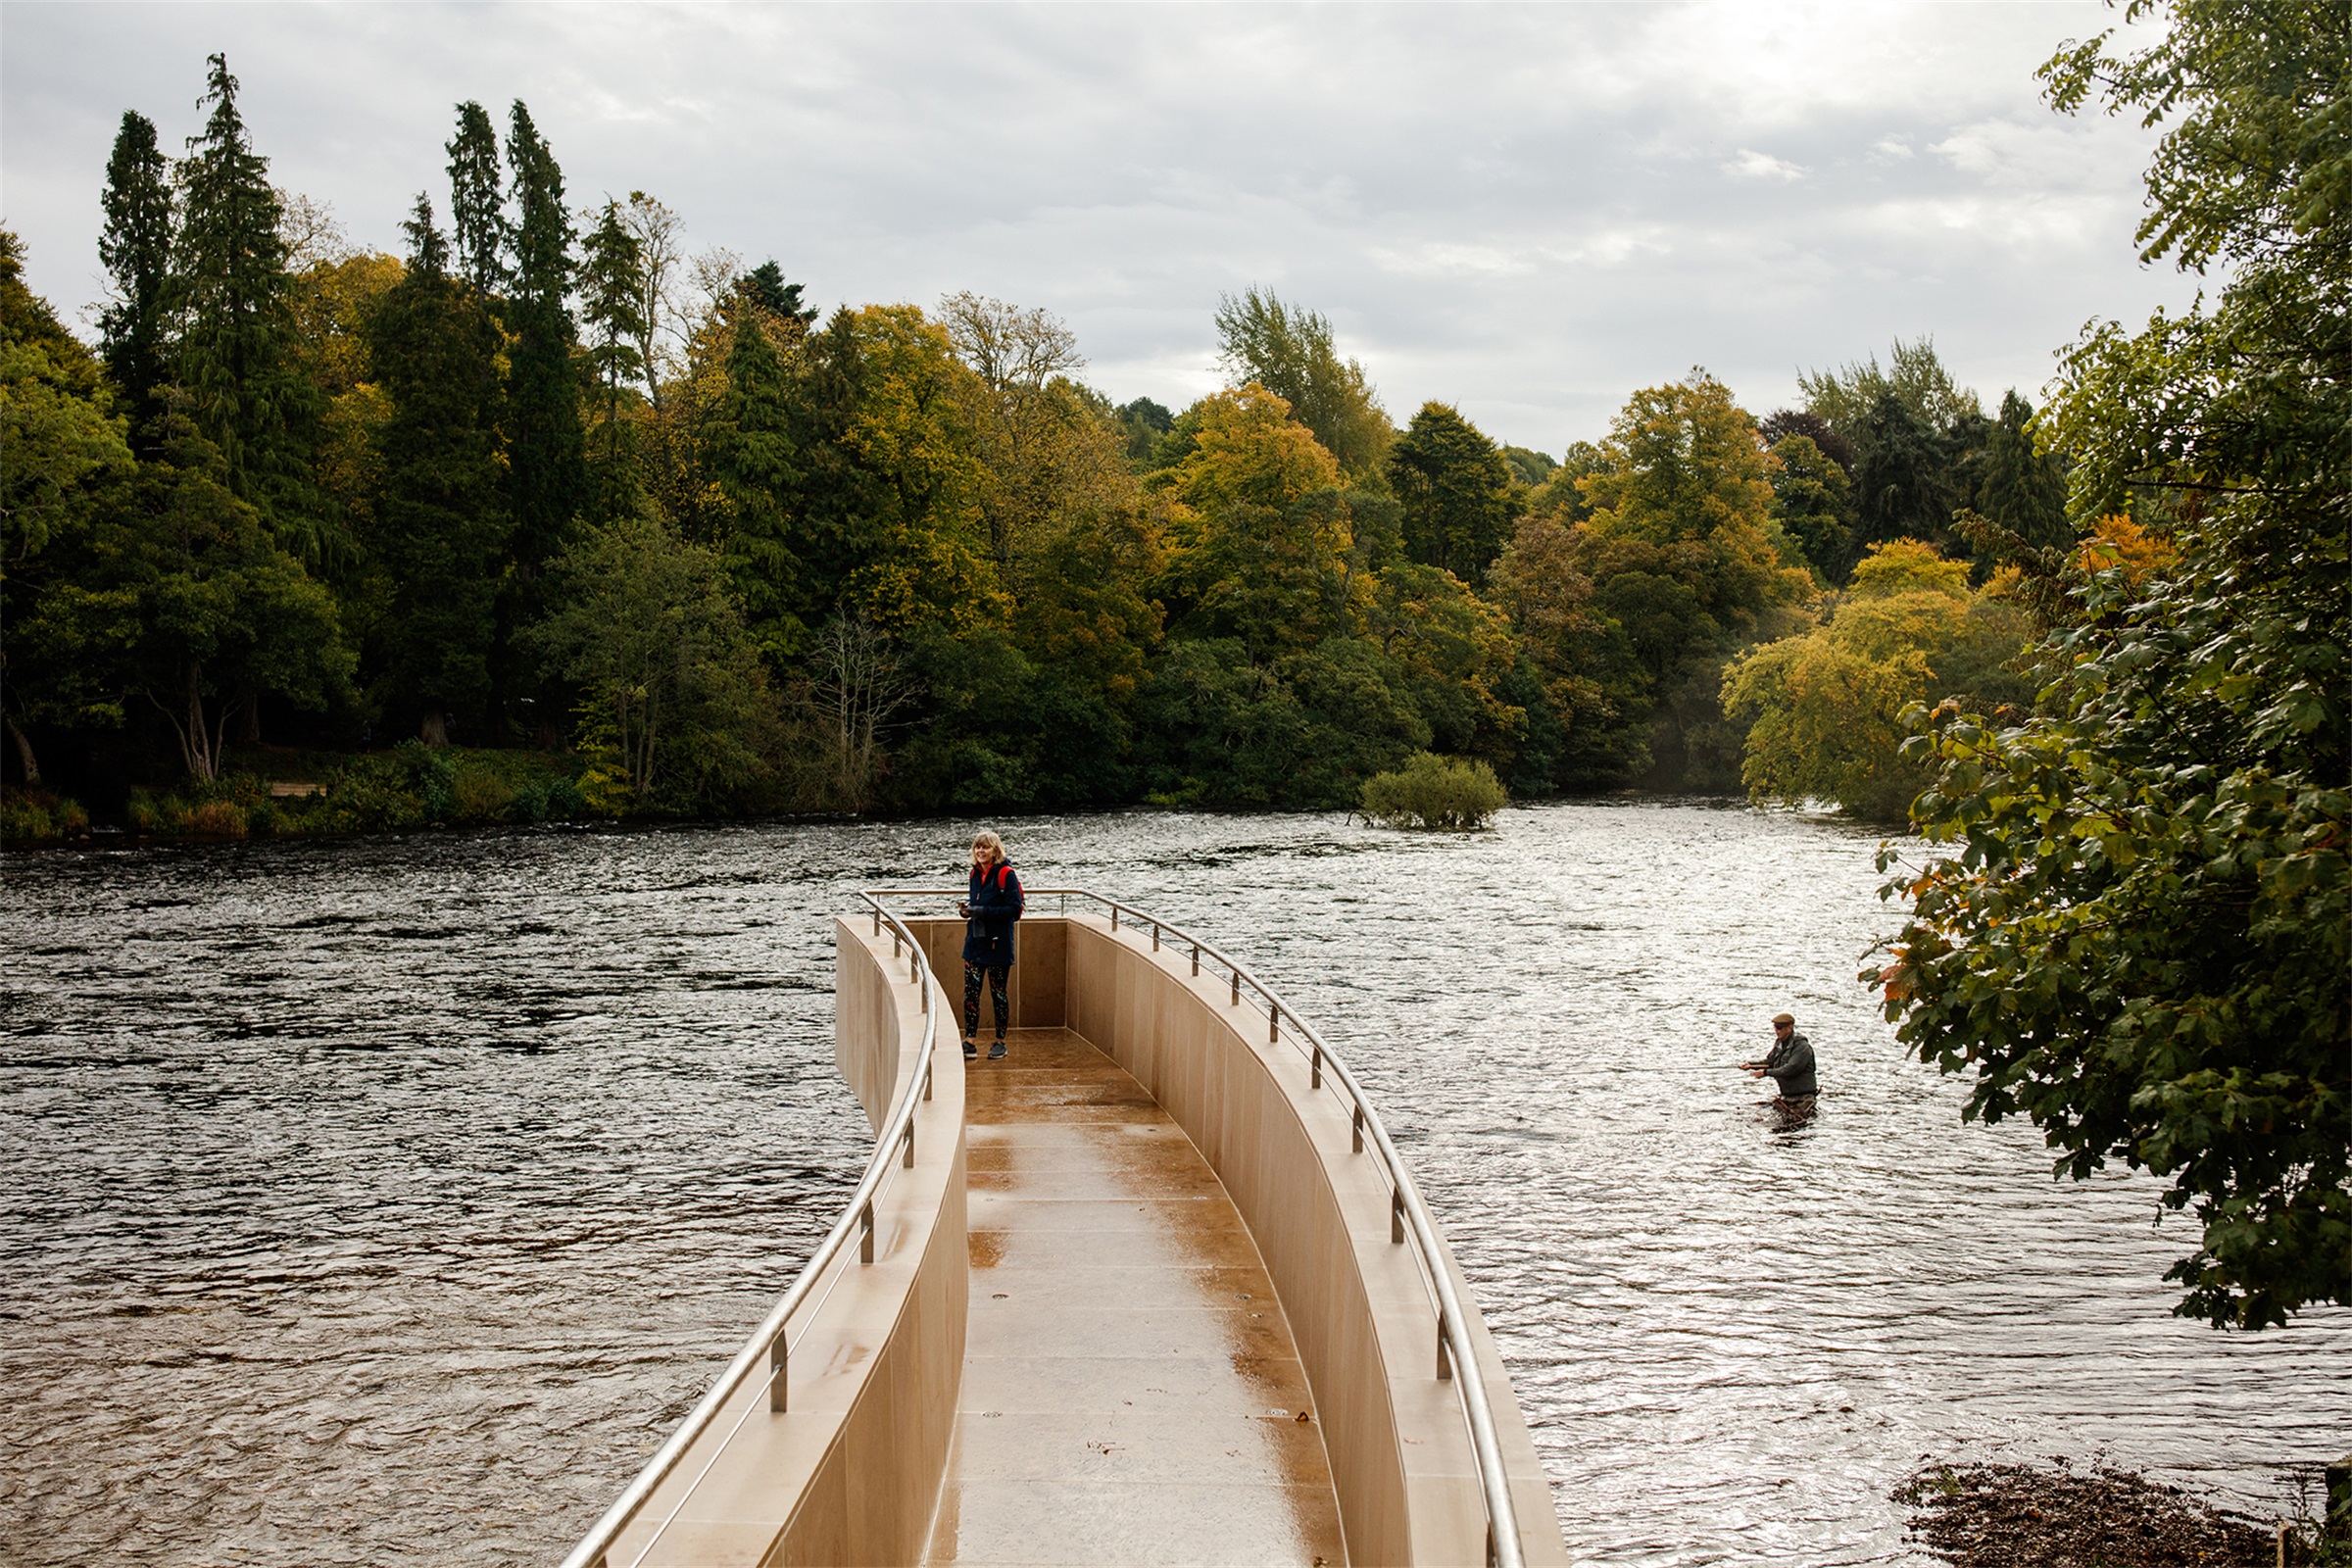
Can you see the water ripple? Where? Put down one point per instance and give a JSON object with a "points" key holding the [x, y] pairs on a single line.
{"points": [[387, 1203]]}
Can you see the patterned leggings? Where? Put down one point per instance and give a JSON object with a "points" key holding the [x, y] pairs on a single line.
{"points": [[996, 974]]}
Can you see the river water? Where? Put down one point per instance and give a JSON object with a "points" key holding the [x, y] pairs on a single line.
{"points": [[386, 1202]]}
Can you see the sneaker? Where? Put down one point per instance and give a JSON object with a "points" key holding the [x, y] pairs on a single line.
{"points": [[996, 1052], [972, 1051]]}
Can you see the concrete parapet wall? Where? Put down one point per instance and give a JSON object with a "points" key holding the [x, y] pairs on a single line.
{"points": [[1356, 1303], [851, 1473]]}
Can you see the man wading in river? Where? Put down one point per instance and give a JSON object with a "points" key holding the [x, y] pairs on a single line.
{"points": [[995, 902], [1789, 1067]]}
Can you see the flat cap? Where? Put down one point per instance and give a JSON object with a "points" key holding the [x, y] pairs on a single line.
{"points": [[1784, 1017]]}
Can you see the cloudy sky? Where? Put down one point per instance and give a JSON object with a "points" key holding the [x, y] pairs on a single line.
{"points": [[1524, 210]]}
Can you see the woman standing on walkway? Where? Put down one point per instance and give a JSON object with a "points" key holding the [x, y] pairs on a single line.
{"points": [[994, 904]]}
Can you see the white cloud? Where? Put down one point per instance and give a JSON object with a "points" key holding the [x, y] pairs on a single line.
{"points": [[1522, 210], [1753, 165]]}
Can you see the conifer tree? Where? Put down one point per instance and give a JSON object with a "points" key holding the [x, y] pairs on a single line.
{"points": [[2023, 490], [545, 445], [478, 214], [231, 289], [765, 286], [441, 523], [136, 248], [612, 303], [750, 454]]}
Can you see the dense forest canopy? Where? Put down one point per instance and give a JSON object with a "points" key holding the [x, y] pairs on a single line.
{"points": [[308, 496]]}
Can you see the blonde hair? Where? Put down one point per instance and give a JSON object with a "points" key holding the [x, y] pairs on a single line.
{"points": [[995, 846]]}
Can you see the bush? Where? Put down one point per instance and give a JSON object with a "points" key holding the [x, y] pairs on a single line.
{"points": [[32, 815], [1434, 792], [479, 795], [565, 802], [220, 819]]}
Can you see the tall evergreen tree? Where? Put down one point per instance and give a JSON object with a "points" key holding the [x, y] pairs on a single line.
{"points": [[748, 450], [136, 248], [441, 522], [613, 303], [546, 449], [2021, 489], [768, 289], [477, 214], [231, 289]]}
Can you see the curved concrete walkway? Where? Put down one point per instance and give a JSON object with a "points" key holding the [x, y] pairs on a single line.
{"points": [[1131, 1394]]}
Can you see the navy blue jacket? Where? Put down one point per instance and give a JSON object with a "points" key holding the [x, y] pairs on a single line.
{"points": [[996, 903]]}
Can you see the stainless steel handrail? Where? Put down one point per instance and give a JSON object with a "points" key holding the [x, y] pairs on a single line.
{"points": [[897, 1136], [1457, 1357]]}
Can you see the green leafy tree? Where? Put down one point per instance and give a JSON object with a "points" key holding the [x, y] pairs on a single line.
{"points": [[1143, 424], [135, 247], [1047, 453], [63, 463], [1529, 466], [1812, 500], [235, 358], [2135, 926], [1825, 710], [1685, 567], [1915, 377], [1288, 351], [887, 490], [674, 704], [1456, 492], [440, 542], [223, 616]]}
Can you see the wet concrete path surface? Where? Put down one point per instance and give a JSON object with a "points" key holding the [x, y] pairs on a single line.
{"points": [[1131, 1394]]}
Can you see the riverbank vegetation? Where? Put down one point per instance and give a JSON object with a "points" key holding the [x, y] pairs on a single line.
{"points": [[2135, 921], [544, 484]]}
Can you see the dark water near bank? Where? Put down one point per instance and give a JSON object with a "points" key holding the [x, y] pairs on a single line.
{"points": [[387, 1202]]}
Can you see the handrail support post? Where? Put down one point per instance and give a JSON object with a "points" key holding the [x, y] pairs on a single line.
{"points": [[1314, 1069], [1396, 1216], [866, 1235], [1445, 1355], [1359, 1130], [778, 1352], [1273, 1022]]}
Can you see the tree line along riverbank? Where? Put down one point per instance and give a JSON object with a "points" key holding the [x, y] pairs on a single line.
{"points": [[544, 482]]}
